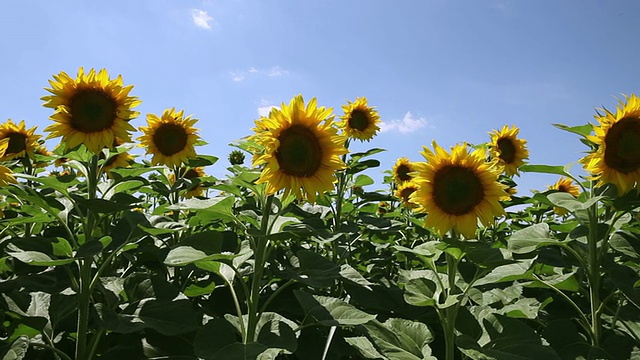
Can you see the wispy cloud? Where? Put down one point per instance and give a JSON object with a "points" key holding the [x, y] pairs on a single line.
{"points": [[274, 71], [264, 109], [201, 18], [405, 125]]}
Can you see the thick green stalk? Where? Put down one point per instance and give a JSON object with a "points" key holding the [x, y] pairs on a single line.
{"points": [[450, 313], [84, 294], [259, 262], [594, 271]]}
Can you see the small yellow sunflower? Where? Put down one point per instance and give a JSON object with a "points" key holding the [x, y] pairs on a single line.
{"points": [[360, 121], [509, 151], [617, 158], [122, 159], [6, 175], [301, 149], [456, 189], [564, 185], [404, 192], [170, 138], [21, 141], [190, 174], [91, 109], [402, 170]]}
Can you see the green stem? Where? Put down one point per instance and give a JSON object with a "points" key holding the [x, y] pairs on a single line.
{"points": [[84, 294], [594, 271], [451, 312], [259, 262]]}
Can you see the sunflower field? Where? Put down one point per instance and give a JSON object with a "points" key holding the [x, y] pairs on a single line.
{"points": [[104, 255]]}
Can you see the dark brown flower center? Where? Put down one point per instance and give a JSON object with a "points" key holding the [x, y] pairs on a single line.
{"points": [[191, 174], [358, 120], [406, 192], [457, 190], [622, 145], [170, 138], [17, 143], [92, 110], [402, 172], [507, 150], [300, 153]]}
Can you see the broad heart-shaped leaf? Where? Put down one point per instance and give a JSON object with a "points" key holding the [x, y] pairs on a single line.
{"points": [[165, 316], [18, 349], [530, 238], [401, 339], [365, 347], [38, 259], [626, 243], [184, 255], [511, 339], [330, 311], [421, 292], [569, 202], [315, 270]]}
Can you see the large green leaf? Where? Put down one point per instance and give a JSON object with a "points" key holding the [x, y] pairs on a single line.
{"points": [[401, 339], [330, 311]]}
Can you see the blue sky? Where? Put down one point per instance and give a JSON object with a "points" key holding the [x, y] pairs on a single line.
{"points": [[449, 71]]}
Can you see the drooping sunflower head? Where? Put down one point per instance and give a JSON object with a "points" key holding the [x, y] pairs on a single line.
{"points": [[508, 150], [402, 170], [191, 174], [91, 109], [456, 189], [617, 157], [359, 121], [564, 185], [171, 138], [21, 141], [301, 149], [404, 191]]}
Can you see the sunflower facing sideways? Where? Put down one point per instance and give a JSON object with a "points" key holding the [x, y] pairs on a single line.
{"points": [[617, 158], [171, 138], [301, 149], [6, 175], [122, 159], [91, 109], [359, 121], [456, 189], [508, 149], [401, 170], [21, 141], [191, 174], [564, 185], [404, 191]]}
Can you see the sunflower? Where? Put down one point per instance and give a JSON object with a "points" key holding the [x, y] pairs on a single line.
{"points": [[509, 151], [455, 189], [170, 138], [301, 149], [564, 185], [91, 109], [402, 170], [404, 192], [359, 120], [21, 141], [6, 175], [617, 158], [190, 174], [122, 159]]}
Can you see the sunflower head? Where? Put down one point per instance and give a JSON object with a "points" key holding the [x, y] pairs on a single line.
{"points": [[617, 157], [564, 185], [191, 174], [91, 109], [300, 149], [122, 159], [404, 191], [508, 150], [359, 121], [21, 141], [456, 189], [402, 170], [171, 138]]}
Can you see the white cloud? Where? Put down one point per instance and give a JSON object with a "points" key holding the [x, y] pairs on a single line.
{"points": [[274, 71], [406, 125], [264, 109], [277, 71], [201, 18]]}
